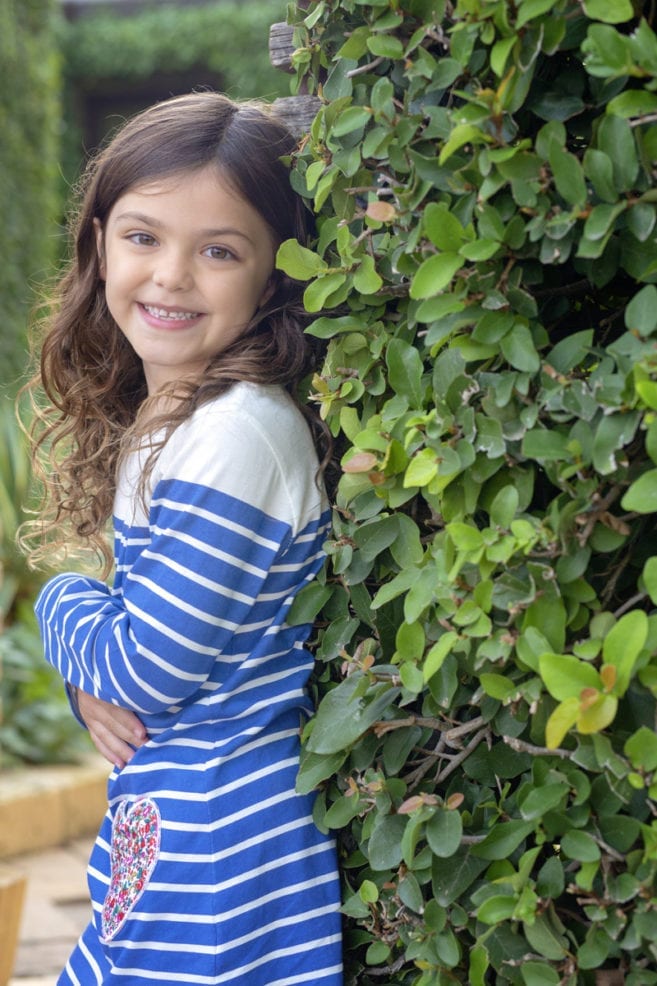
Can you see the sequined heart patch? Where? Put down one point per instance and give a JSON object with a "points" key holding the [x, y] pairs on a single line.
{"points": [[135, 850]]}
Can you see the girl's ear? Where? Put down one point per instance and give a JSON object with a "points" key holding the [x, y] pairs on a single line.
{"points": [[100, 247]]}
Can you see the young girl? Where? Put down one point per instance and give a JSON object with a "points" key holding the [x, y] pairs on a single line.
{"points": [[169, 364]]}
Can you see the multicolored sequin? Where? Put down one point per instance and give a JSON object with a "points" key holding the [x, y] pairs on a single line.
{"points": [[135, 850]]}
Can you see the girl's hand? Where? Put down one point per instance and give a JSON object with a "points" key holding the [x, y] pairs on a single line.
{"points": [[114, 731]]}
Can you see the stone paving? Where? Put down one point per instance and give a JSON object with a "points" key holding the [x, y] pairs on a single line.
{"points": [[56, 910]]}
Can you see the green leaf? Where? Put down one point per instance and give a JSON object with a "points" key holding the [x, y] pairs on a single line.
{"points": [[452, 875], [551, 879], [444, 832], [609, 11], [599, 168], [316, 768], [368, 892], [463, 133], [540, 800], [298, 262], [366, 278], [544, 938], [545, 445], [601, 220], [374, 537], [500, 53], [479, 965], [326, 327], [442, 227], [641, 312], [650, 577], [642, 494], [497, 686], [465, 537], [622, 646], [571, 351], [519, 349], [410, 894], [307, 603], [539, 974], [405, 371], [503, 839], [479, 250], [529, 10], [560, 721], [595, 948], [395, 587], [384, 848], [410, 642], [437, 654], [504, 506], [580, 846], [351, 119], [608, 53], [318, 293], [596, 715], [422, 468], [641, 748], [496, 909], [568, 175], [633, 103], [612, 434], [434, 274], [565, 676], [344, 714], [640, 219], [385, 46], [616, 140]]}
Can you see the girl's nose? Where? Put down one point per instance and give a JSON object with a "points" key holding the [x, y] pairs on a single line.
{"points": [[172, 272]]}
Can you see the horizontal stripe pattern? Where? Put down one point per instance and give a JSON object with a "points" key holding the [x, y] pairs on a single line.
{"points": [[193, 637]]}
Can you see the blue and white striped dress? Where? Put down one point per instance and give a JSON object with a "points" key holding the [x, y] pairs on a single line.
{"points": [[208, 867]]}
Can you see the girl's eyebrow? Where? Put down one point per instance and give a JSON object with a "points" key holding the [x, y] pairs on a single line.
{"points": [[141, 217]]}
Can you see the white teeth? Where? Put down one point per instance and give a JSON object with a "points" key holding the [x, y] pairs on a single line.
{"points": [[167, 313]]}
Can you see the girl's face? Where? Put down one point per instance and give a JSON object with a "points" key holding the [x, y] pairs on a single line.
{"points": [[186, 263]]}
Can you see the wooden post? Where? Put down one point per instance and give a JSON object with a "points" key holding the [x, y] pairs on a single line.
{"points": [[296, 112], [12, 893]]}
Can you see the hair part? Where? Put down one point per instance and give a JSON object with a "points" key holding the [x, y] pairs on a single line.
{"points": [[92, 379]]}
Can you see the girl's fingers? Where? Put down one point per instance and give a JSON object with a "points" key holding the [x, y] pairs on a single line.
{"points": [[114, 731]]}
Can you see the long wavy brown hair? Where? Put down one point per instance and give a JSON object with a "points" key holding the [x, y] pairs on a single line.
{"points": [[92, 380]]}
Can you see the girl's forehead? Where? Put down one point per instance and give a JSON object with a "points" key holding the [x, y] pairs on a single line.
{"points": [[174, 181], [200, 199]]}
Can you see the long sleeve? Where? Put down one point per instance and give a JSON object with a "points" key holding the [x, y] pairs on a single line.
{"points": [[215, 568]]}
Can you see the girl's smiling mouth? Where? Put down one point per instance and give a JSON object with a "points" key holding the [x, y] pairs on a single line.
{"points": [[169, 314]]}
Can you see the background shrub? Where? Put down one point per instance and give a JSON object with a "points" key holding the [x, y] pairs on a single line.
{"points": [[36, 724], [29, 123], [116, 64], [485, 744]]}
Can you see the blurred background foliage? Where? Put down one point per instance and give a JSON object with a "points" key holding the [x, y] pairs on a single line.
{"points": [[30, 125], [72, 71], [115, 65]]}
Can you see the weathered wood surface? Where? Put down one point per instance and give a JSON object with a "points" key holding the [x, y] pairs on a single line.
{"points": [[297, 112], [12, 892], [281, 46]]}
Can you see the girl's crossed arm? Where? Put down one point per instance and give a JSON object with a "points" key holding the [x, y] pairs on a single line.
{"points": [[191, 591]]}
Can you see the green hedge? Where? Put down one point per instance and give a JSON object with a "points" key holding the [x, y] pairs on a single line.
{"points": [[228, 38], [104, 52], [29, 126], [485, 743]]}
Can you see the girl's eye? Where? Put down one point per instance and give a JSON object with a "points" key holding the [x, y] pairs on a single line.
{"points": [[141, 239], [219, 253]]}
